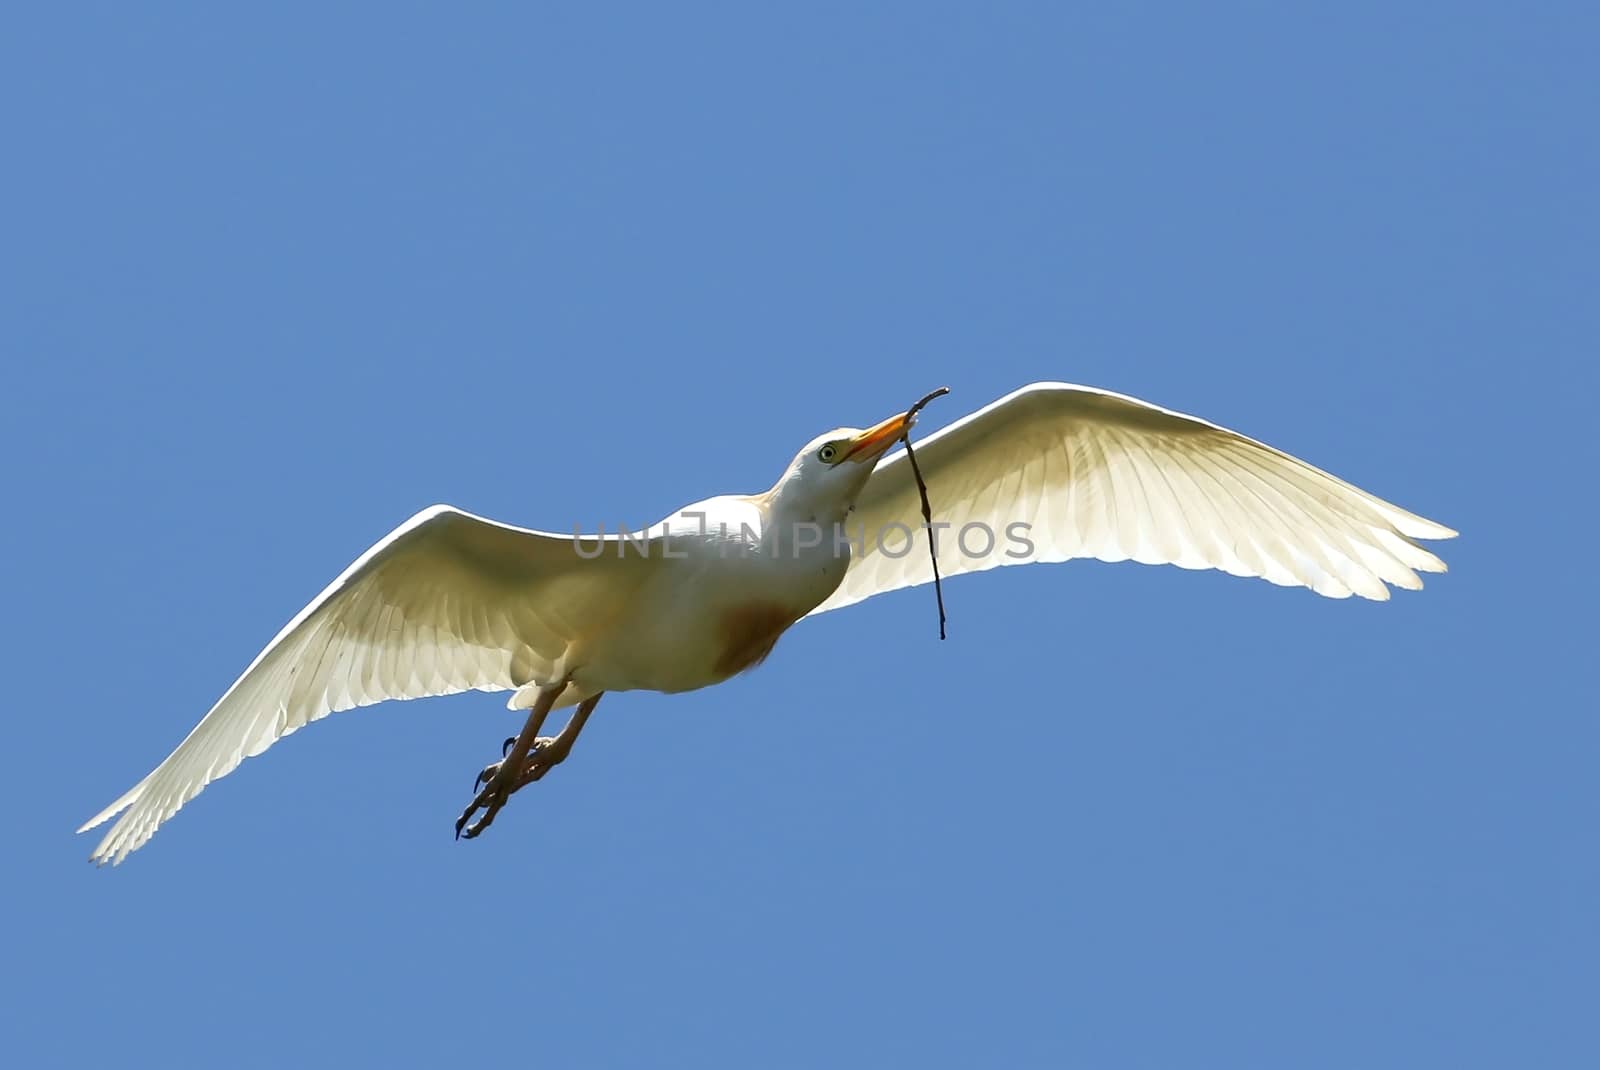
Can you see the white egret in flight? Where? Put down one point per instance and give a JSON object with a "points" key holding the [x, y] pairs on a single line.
{"points": [[451, 602]]}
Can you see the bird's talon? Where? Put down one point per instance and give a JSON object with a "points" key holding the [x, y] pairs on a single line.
{"points": [[497, 788], [505, 748], [485, 775]]}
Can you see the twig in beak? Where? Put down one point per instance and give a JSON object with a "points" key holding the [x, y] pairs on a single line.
{"points": [[922, 490]]}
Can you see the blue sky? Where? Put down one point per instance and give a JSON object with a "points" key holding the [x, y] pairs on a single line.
{"points": [[277, 279]]}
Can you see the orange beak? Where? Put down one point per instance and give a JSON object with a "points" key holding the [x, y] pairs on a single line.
{"points": [[875, 441]]}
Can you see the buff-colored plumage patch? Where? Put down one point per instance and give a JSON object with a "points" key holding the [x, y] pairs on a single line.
{"points": [[748, 635]]}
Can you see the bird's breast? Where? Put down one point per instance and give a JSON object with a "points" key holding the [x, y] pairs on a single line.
{"points": [[714, 607], [747, 633]]}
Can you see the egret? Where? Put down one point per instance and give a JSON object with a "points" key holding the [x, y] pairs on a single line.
{"points": [[450, 602]]}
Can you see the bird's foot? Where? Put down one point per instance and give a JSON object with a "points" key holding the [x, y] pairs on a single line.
{"points": [[497, 788], [547, 753], [499, 783]]}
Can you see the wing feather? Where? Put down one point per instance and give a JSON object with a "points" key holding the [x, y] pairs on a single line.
{"points": [[1096, 474], [447, 602]]}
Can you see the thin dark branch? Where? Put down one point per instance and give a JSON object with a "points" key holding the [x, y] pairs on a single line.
{"points": [[922, 490]]}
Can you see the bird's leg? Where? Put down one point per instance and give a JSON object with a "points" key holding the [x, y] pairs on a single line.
{"points": [[548, 751], [551, 752], [504, 781]]}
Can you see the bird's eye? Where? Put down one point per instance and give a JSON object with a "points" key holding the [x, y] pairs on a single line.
{"points": [[828, 453]]}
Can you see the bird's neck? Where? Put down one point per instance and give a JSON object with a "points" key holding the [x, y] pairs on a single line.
{"points": [[788, 502], [790, 515]]}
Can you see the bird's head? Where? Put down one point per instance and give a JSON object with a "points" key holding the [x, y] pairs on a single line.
{"points": [[825, 477]]}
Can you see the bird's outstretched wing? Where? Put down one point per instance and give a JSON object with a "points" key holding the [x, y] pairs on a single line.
{"points": [[447, 602], [1096, 474]]}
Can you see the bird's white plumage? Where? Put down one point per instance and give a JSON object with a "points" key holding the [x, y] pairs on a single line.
{"points": [[1101, 475], [447, 602], [451, 602]]}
